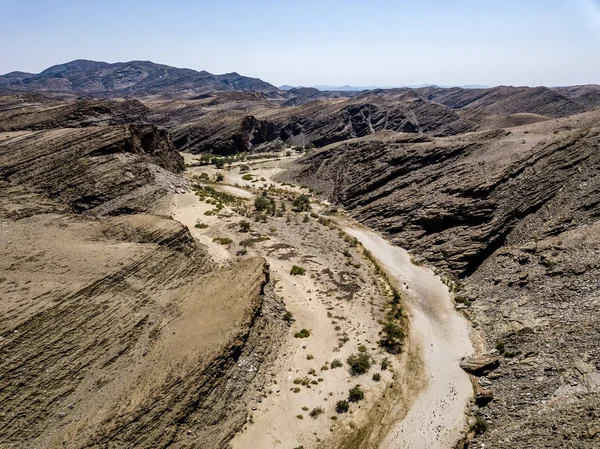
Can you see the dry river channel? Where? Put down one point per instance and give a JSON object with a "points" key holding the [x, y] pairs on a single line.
{"points": [[433, 416]]}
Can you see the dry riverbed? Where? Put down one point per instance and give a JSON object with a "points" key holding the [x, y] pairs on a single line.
{"points": [[342, 301]]}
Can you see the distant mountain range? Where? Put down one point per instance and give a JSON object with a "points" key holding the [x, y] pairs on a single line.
{"points": [[83, 77], [348, 88]]}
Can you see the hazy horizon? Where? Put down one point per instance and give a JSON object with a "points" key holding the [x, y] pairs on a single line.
{"points": [[319, 43]]}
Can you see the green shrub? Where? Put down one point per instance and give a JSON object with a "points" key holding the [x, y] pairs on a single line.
{"points": [[359, 363], [261, 203], [393, 335], [244, 168], [337, 363], [289, 317], [315, 412], [376, 377], [479, 426], [200, 225], [247, 177], [303, 333], [309, 357], [219, 177], [356, 394], [385, 364], [342, 406], [296, 270], [301, 203], [222, 240], [244, 226], [500, 346]]}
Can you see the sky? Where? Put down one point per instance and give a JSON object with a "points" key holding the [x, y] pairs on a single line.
{"points": [[318, 42]]}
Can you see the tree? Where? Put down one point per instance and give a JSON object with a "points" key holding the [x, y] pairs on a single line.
{"points": [[301, 203], [219, 162], [219, 177]]}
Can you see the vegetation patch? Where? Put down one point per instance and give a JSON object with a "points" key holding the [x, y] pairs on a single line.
{"points": [[297, 271]]}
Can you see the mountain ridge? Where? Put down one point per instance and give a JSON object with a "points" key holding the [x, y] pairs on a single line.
{"points": [[98, 78]]}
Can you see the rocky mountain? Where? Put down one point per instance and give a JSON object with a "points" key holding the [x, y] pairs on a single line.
{"points": [[134, 78], [512, 213]]}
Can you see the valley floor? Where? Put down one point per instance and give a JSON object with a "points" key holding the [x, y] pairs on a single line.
{"points": [[419, 401]]}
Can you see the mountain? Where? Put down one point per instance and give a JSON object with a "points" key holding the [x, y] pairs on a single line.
{"points": [[134, 78]]}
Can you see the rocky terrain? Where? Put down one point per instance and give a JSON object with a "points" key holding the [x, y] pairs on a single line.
{"points": [[513, 214], [118, 329], [122, 326]]}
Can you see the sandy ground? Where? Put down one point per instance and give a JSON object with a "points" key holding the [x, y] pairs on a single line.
{"points": [[437, 416], [280, 417]]}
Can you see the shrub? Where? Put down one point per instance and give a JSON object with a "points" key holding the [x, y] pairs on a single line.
{"points": [[296, 270], [219, 162], [376, 377], [500, 346], [342, 406], [356, 394], [359, 363], [309, 357], [479, 426], [315, 412], [337, 363], [362, 348], [289, 317], [222, 240], [301, 203], [247, 177], [200, 225], [244, 168], [393, 335], [303, 333], [261, 203], [219, 177], [385, 364], [244, 226]]}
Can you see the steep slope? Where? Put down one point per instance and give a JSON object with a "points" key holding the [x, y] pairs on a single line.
{"points": [[118, 330], [96, 169], [82, 77], [514, 213], [34, 112]]}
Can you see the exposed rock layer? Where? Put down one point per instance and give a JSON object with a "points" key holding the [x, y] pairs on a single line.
{"points": [[515, 213]]}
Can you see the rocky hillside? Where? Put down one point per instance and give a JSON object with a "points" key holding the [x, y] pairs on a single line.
{"points": [[513, 213], [134, 78], [117, 328], [224, 123]]}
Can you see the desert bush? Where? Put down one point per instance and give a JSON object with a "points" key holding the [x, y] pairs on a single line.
{"points": [[244, 168], [385, 364], [247, 177], [393, 335], [244, 226], [359, 363], [356, 394], [200, 225], [376, 377], [303, 333], [337, 363], [479, 426], [301, 203], [261, 203], [289, 317], [316, 412], [296, 270], [222, 240], [342, 406]]}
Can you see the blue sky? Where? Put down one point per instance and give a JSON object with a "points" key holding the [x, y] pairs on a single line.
{"points": [[312, 42]]}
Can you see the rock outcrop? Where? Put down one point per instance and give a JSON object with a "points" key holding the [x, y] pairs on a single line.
{"points": [[94, 169]]}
